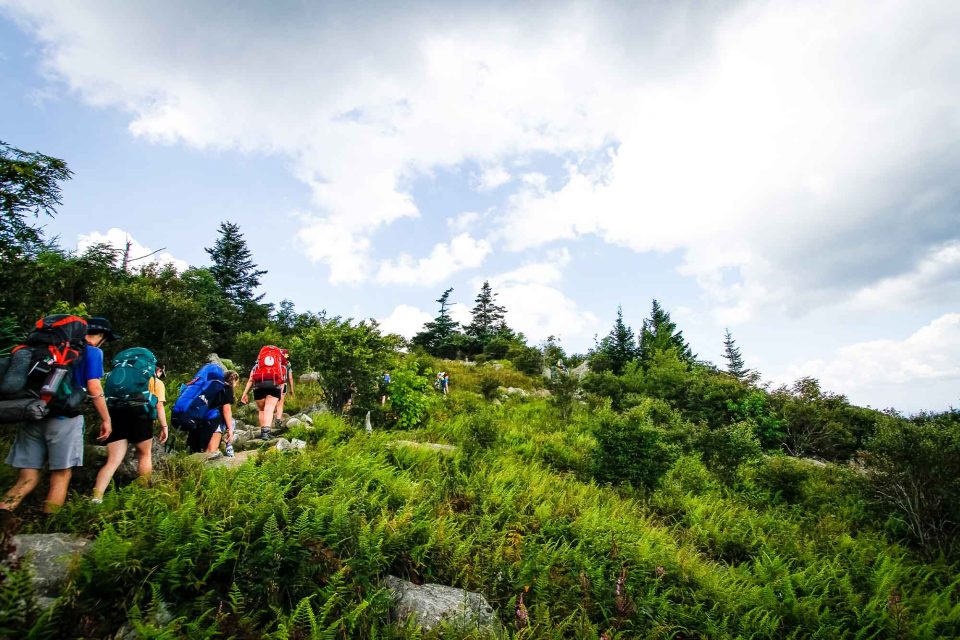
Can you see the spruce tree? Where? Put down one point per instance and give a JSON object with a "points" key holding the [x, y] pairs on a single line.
{"points": [[233, 267], [437, 337], [735, 364], [659, 333], [488, 316], [617, 348]]}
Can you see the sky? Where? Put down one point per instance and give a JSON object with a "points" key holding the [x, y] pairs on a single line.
{"points": [[787, 170]]}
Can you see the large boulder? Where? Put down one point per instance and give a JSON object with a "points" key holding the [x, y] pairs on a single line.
{"points": [[290, 445], [50, 555], [310, 376], [580, 370], [432, 604], [445, 448]]}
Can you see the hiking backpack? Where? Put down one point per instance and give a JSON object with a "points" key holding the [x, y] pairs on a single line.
{"points": [[128, 383], [271, 368], [37, 379], [197, 405]]}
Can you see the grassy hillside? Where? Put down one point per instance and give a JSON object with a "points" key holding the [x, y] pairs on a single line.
{"points": [[295, 545]]}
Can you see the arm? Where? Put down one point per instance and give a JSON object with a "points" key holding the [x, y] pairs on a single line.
{"points": [[95, 393], [228, 418], [246, 389], [290, 381], [162, 416]]}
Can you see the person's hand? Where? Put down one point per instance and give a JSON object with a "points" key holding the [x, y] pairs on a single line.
{"points": [[230, 436], [244, 399], [164, 432], [105, 430]]}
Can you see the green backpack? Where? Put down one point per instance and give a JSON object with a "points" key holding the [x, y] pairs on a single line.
{"points": [[128, 384]]}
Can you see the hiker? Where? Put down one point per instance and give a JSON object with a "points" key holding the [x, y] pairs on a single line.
{"points": [[225, 424], [132, 423], [385, 385], [445, 383], [438, 381], [266, 378], [56, 441], [283, 387]]}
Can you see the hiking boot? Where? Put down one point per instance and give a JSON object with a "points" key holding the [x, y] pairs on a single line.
{"points": [[229, 450], [264, 433]]}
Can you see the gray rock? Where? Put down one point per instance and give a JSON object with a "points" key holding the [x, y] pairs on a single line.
{"points": [[542, 393], [304, 418], [580, 370], [431, 604], [238, 459], [293, 422], [496, 366], [310, 376], [447, 448], [547, 372], [367, 424], [290, 445], [515, 391], [50, 555]]}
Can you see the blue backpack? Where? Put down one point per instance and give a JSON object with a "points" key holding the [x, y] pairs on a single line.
{"points": [[197, 405]]}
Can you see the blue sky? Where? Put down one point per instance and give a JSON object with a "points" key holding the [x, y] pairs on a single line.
{"points": [[787, 170]]}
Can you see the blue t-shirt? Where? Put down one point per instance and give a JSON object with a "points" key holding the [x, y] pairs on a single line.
{"points": [[89, 367]]}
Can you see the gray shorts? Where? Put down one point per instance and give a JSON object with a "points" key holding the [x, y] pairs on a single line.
{"points": [[55, 441]]}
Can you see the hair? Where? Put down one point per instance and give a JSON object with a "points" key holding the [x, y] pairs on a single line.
{"points": [[231, 376]]}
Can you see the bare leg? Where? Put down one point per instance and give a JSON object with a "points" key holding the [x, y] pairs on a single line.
{"points": [[115, 452], [269, 408], [59, 481], [26, 482], [145, 458], [214, 444]]}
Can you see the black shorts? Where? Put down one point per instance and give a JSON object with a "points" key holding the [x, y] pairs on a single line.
{"points": [[263, 392], [132, 427], [199, 438]]}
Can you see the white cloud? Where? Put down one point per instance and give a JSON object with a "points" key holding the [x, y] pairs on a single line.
{"points": [[118, 238], [463, 252], [492, 177], [878, 371], [790, 171], [465, 221], [405, 320]]}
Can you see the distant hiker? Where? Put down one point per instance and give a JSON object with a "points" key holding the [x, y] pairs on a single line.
{"points": [[135, 398], [267, 376], [56, 440], [438, 381], [445, 383], [283, 387], [385, 386], [351, 391], [204, 408]]}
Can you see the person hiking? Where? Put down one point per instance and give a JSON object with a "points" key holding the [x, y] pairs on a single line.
{"points": [[226, 424], [266, 378], [56, 441], [385, 386], [445, 383], [132, 424], [283, 388]]}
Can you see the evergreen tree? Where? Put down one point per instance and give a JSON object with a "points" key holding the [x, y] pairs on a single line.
{"points": [[29, 186], [439, 336], [617, 348], [488, 316], [735, 364], [659, 333], [233, 267]]}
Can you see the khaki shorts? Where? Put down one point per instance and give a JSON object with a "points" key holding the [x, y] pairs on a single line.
{"points": [[56, 442]]}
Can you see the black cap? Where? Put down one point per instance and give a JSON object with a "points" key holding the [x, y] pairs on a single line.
{"points": [[99, 324]]}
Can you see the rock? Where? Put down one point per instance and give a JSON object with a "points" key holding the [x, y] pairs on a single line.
{"points": [[468, 363], [50, 555], [515, 391], [305, 418], [448, 448], [289, 445], [310, 376], [580, 370], [367, 424], [317, 408], [496, 402], [238, 459], [547, 372], [431, 604], [496, 366], [293, 422], [160, 619], [542, 393]]}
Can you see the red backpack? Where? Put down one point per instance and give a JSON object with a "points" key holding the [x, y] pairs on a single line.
{"points": [[271, 368]]}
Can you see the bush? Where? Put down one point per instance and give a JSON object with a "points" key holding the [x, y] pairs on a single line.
{"points": [[410, 396], [631, 450], [726, 448], [914, 471]]}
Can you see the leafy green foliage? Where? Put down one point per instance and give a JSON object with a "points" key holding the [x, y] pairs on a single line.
{"points": [[630, 449], [726, 448], [410, 395], [617, 349]]}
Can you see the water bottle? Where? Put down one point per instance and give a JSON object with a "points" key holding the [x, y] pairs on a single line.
{"points": [[52, 383]]}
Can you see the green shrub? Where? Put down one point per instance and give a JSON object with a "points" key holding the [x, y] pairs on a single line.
{"points": [[724, 449], [410, 395], [631, 450]]}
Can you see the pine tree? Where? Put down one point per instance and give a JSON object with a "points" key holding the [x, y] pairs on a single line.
{"points": [[659, 333], [618, 348], [735, 364], [437, 337], [488, 316], [233, 268]]}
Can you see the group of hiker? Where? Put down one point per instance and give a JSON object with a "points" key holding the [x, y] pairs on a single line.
{"points": [[44, 383]]}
